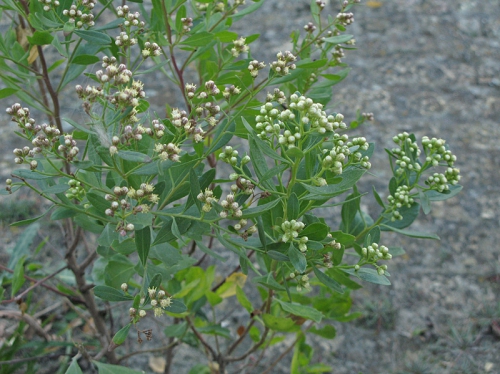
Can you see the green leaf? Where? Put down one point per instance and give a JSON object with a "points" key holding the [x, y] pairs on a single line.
{"points": [[226, 36], [293, 207], [278, 256], [412, 234], [94, 37], [40, 38], [176, 306], [424, 202], [304, 311], [23, 245], [18, 277], [377, 197], [143, 243], [121, 335], [215, 330], [327, 281], [199, 39], [110, 294], [409, 216], [85, 60], [30, 220], [114, 369], [327, 332], [315, 231], [309, 64], [440, 196], [373, 236], [297, 259], [342, 278], [243, 299], [396, 251], [6, 92], [338, 39], [369, 275], [249, 9], [281, 324], [259, 210], [177, 330], [63, 212], [28, 174], [269, 282], [74, 368], [349, 178], [58, 188], [134, 156]]}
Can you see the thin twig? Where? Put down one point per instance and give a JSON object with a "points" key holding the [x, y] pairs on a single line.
{"points": [[200, 338], [20, 296], [33, 358]]}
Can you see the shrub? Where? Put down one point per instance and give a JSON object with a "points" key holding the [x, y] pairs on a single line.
{"points": [[152, 206]]}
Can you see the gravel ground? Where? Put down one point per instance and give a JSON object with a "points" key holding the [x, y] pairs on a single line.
{"points": [[431, 67]]}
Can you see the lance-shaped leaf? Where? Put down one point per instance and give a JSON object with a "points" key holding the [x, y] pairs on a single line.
{"points": [[143, 243]]}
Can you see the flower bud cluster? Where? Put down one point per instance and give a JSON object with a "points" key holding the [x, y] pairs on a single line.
{"points": [[248, 232], [124, 40], [231, 91], [79, 17], [21, 116], [231, 207], [312, 114], [291, 230], [190, 89], [207, 197], [8, 185], [69, 147], [327, 260], [277, 95], [229, 155], [242, 184], [321, 4], [436, 152], [301, 279], [284, 63], [131, 19], [405, 142], [310, 28], [26, 152], [76, 190], [239, 46], [90, 94], [159, 301], [49, 4], [338, 53], [440, 182], [180, 119], [151, 49], [367, 116], [400, 199], [187, 23], [268, 121], [374, 253], [334, 158], [168, 151], [254, 66], [345, 18], [288, 139]]}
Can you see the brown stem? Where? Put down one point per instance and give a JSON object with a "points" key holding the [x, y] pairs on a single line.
{"points": [[20, 296], [33, 358], [74, 299], [169, 355], [79, 273], [200, 338]]}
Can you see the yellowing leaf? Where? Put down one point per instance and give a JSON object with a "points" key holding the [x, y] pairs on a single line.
{"points": [[228, 289], [374, 4], [157, 364]]}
